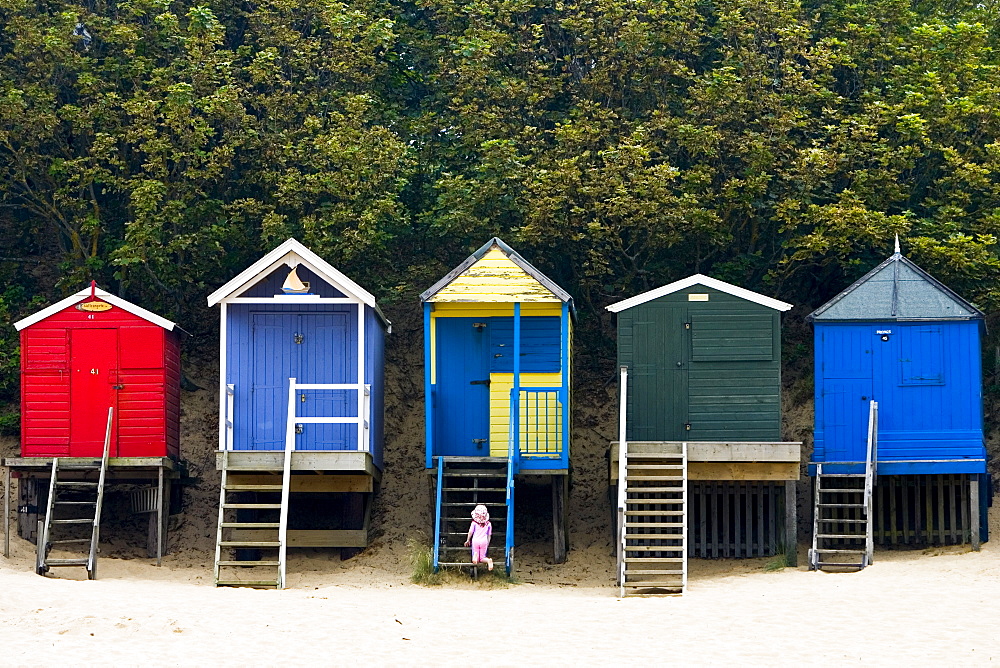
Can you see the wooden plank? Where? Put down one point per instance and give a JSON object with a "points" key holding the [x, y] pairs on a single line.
{"points": [[308, 483], [302, 460], [45, 463], [787, 451], [791, 524], [955, 501], [743, 471], [892, 509], [559, 527], [727, 498], [974, 511], [6, 512]]}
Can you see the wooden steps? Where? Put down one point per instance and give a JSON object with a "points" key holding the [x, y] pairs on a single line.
{"points": [[74, 511], [260, 509], [465, 482], [652, 524], [842, 523]]}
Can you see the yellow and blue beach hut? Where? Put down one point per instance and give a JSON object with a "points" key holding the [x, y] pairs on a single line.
{"points": [[497, 383]]}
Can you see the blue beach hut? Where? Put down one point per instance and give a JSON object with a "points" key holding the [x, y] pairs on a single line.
{"points": [[301, 393], [497, 382], [898, 408]]}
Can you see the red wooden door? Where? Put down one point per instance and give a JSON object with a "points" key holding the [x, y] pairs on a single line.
{"points": [[93, 372]]}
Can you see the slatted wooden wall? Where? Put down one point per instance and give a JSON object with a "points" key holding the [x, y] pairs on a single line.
{"points": [[735, 519]]}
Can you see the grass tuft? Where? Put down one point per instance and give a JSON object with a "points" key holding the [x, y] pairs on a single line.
{"points": [[422, 562], [777, 563]]}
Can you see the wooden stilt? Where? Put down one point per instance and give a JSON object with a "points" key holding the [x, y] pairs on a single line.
{"points": [[6, 512], [560, 538], [791, 524], [974, 511], [354, 518], [27, 508]]}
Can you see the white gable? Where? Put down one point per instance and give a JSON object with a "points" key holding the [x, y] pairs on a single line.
{"points": [[106, 296], [700, 279]]}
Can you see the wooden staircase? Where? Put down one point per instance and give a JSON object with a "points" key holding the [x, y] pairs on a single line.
{"points": [[843, 536], [464, 482], [652, 492], [253, 518], [73, 517], [842, 523]]}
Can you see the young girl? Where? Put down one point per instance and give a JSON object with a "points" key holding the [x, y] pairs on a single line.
{"points": [[479, 535]]}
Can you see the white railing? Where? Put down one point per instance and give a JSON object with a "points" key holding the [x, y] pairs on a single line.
{"points": [[361, 420], [871, 468], [622, 465]]}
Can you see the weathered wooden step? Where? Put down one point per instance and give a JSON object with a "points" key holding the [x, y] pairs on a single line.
{"points": [[80, 561], [653, 525], [654, 513], [74, 503], [253, 488], [250, 506], [250, 525], [246, 583], [656, 571], [650, 560], [834, 551], [855, 536], [840, 505], [833, 521], [249, 563], [250, 543], [657, 490], [76, 520], [68, 541], [474, 489], [652, 478], [75, 483]]}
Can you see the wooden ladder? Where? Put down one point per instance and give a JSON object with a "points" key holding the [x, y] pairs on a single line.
{"points": [[241, 540], [77, 502], [464, 482], [843, 518], [653, 519]]}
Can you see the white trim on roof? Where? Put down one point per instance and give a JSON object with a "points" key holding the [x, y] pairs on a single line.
{"points": [[700, 279], [103, 294], [281, 254]]}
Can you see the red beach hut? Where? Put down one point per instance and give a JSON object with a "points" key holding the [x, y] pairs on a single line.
{"points": [[90, 352]]}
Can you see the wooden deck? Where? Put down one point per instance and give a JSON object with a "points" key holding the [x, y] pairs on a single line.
{"points": [[728, 461], [32, 472], [315, 461]]}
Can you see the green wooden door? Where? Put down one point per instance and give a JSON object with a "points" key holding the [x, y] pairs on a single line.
{"points": [[658, 374]]}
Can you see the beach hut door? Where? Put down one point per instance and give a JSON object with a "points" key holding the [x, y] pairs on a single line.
{"points": [[94, 374], [847, 390], [462, 418]]}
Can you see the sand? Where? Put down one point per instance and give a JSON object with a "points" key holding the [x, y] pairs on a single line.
{"points": [[919, 607]]}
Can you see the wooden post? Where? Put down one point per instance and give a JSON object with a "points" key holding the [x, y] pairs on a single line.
{"points": [[353, 517], [27, 508], [6, 512], [791, 524], [560, 535], [974, 511]]}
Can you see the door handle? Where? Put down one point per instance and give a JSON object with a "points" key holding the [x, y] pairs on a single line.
{"points": [[479, 441], [118, 387], [480, 382]]}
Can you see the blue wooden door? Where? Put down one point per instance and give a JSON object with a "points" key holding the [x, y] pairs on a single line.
{"points": [[274, 360], [325, 356], [846, 359], [463, 391]]}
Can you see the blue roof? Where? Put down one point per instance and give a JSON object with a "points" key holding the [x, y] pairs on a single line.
{"points": [[897, 289]]}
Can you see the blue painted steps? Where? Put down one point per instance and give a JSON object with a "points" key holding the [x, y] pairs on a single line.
{"points": [[462, 483]]}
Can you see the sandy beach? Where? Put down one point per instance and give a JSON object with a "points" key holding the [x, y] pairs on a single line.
{"points": [[916, 607]]}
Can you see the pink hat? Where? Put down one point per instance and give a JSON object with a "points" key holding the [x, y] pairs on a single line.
{"points": [[480, 515]]}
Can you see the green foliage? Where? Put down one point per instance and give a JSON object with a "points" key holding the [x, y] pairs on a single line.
{"points": [[422, 562]]}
